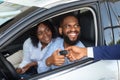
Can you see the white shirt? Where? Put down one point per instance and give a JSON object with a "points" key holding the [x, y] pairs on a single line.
{"points": [[90, 52], [32, 53]]}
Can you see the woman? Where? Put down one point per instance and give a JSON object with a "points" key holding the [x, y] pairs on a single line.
{"points": [[35, 47]]}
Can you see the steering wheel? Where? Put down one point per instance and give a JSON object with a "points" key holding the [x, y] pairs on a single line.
{"points": [[7, 69]]}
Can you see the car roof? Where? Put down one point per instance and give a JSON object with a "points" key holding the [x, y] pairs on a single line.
{"points": [[44, 3]]}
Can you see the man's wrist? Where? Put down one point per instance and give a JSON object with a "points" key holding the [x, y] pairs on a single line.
{"points": [[48, 62]]}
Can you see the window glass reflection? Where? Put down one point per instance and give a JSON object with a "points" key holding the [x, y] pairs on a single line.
{"points": [[108, 36], [117, 35], [105, 19]]}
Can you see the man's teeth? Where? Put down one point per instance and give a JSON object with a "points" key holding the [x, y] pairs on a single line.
{"points": [[72, 34]]}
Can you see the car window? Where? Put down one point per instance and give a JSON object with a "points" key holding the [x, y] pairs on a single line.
{"points": [[88, 21], [87, 37], [112, 30], [9, 11], [115, 13]]}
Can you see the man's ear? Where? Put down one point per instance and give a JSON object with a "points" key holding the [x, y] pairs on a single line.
{"points": [[60, 30]]}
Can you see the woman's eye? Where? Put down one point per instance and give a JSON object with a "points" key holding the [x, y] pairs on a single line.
{"points": [[47, 29], [39, 33]]}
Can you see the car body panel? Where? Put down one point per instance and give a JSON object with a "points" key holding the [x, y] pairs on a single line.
{"points": [[101, 70], [119, 69]]}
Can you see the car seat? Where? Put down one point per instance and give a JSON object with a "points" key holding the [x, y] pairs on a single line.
{"points": [[87, 28]]}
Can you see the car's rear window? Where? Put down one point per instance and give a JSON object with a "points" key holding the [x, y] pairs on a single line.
{"points": [[8, 11]]}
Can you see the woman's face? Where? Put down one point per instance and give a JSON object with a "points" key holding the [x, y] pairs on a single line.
{"points": [[44, 34]]}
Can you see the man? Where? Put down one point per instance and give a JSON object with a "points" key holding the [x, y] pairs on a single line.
{"points": [[98, 53], [70, 31]]}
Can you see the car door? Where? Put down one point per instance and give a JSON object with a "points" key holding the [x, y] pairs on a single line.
{"points": [[101, 70], [86, 69]]}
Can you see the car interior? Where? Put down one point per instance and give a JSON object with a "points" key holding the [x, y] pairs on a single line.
{"points": [[87, 35]]}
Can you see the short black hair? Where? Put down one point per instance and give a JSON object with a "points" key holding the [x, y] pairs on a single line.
{"points": [[62, 17]]}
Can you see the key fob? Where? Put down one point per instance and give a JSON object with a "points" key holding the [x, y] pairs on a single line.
{"points": [[63, 52]]}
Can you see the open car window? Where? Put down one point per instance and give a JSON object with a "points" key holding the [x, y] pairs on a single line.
{"points": [[88, 23]]}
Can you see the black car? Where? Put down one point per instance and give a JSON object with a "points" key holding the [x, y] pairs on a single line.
{"points": [[100, 25]]}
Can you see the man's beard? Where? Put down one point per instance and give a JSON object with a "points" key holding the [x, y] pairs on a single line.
{"points": [[68, 41]]}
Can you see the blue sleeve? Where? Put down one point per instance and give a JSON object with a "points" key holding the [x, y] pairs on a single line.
{"points": [[107, 52]]}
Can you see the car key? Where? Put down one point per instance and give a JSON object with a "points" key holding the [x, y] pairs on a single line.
{"points": [[63, 52]]}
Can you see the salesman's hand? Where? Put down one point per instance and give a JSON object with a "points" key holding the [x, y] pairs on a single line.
{"points": [[76, 53]]}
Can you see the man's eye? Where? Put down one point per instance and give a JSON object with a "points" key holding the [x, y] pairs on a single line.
{"points": [[77, 25], [67, 26]]}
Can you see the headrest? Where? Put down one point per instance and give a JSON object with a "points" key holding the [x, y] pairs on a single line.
{"points": [[87, 28]]}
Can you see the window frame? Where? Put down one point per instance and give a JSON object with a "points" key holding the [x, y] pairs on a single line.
{"points": [[45, 17]]}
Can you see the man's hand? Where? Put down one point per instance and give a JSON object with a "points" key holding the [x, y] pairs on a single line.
{"points": [[76, 53], [55, 59]]}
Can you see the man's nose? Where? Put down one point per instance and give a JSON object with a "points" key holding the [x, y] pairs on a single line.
{"points": [[73, 28]]}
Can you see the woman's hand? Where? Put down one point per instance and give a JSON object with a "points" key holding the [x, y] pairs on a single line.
{"points": [[19, 70], [25, 68]]}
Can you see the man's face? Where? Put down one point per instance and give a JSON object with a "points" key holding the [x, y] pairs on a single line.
{"points": [[70, 30]]}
